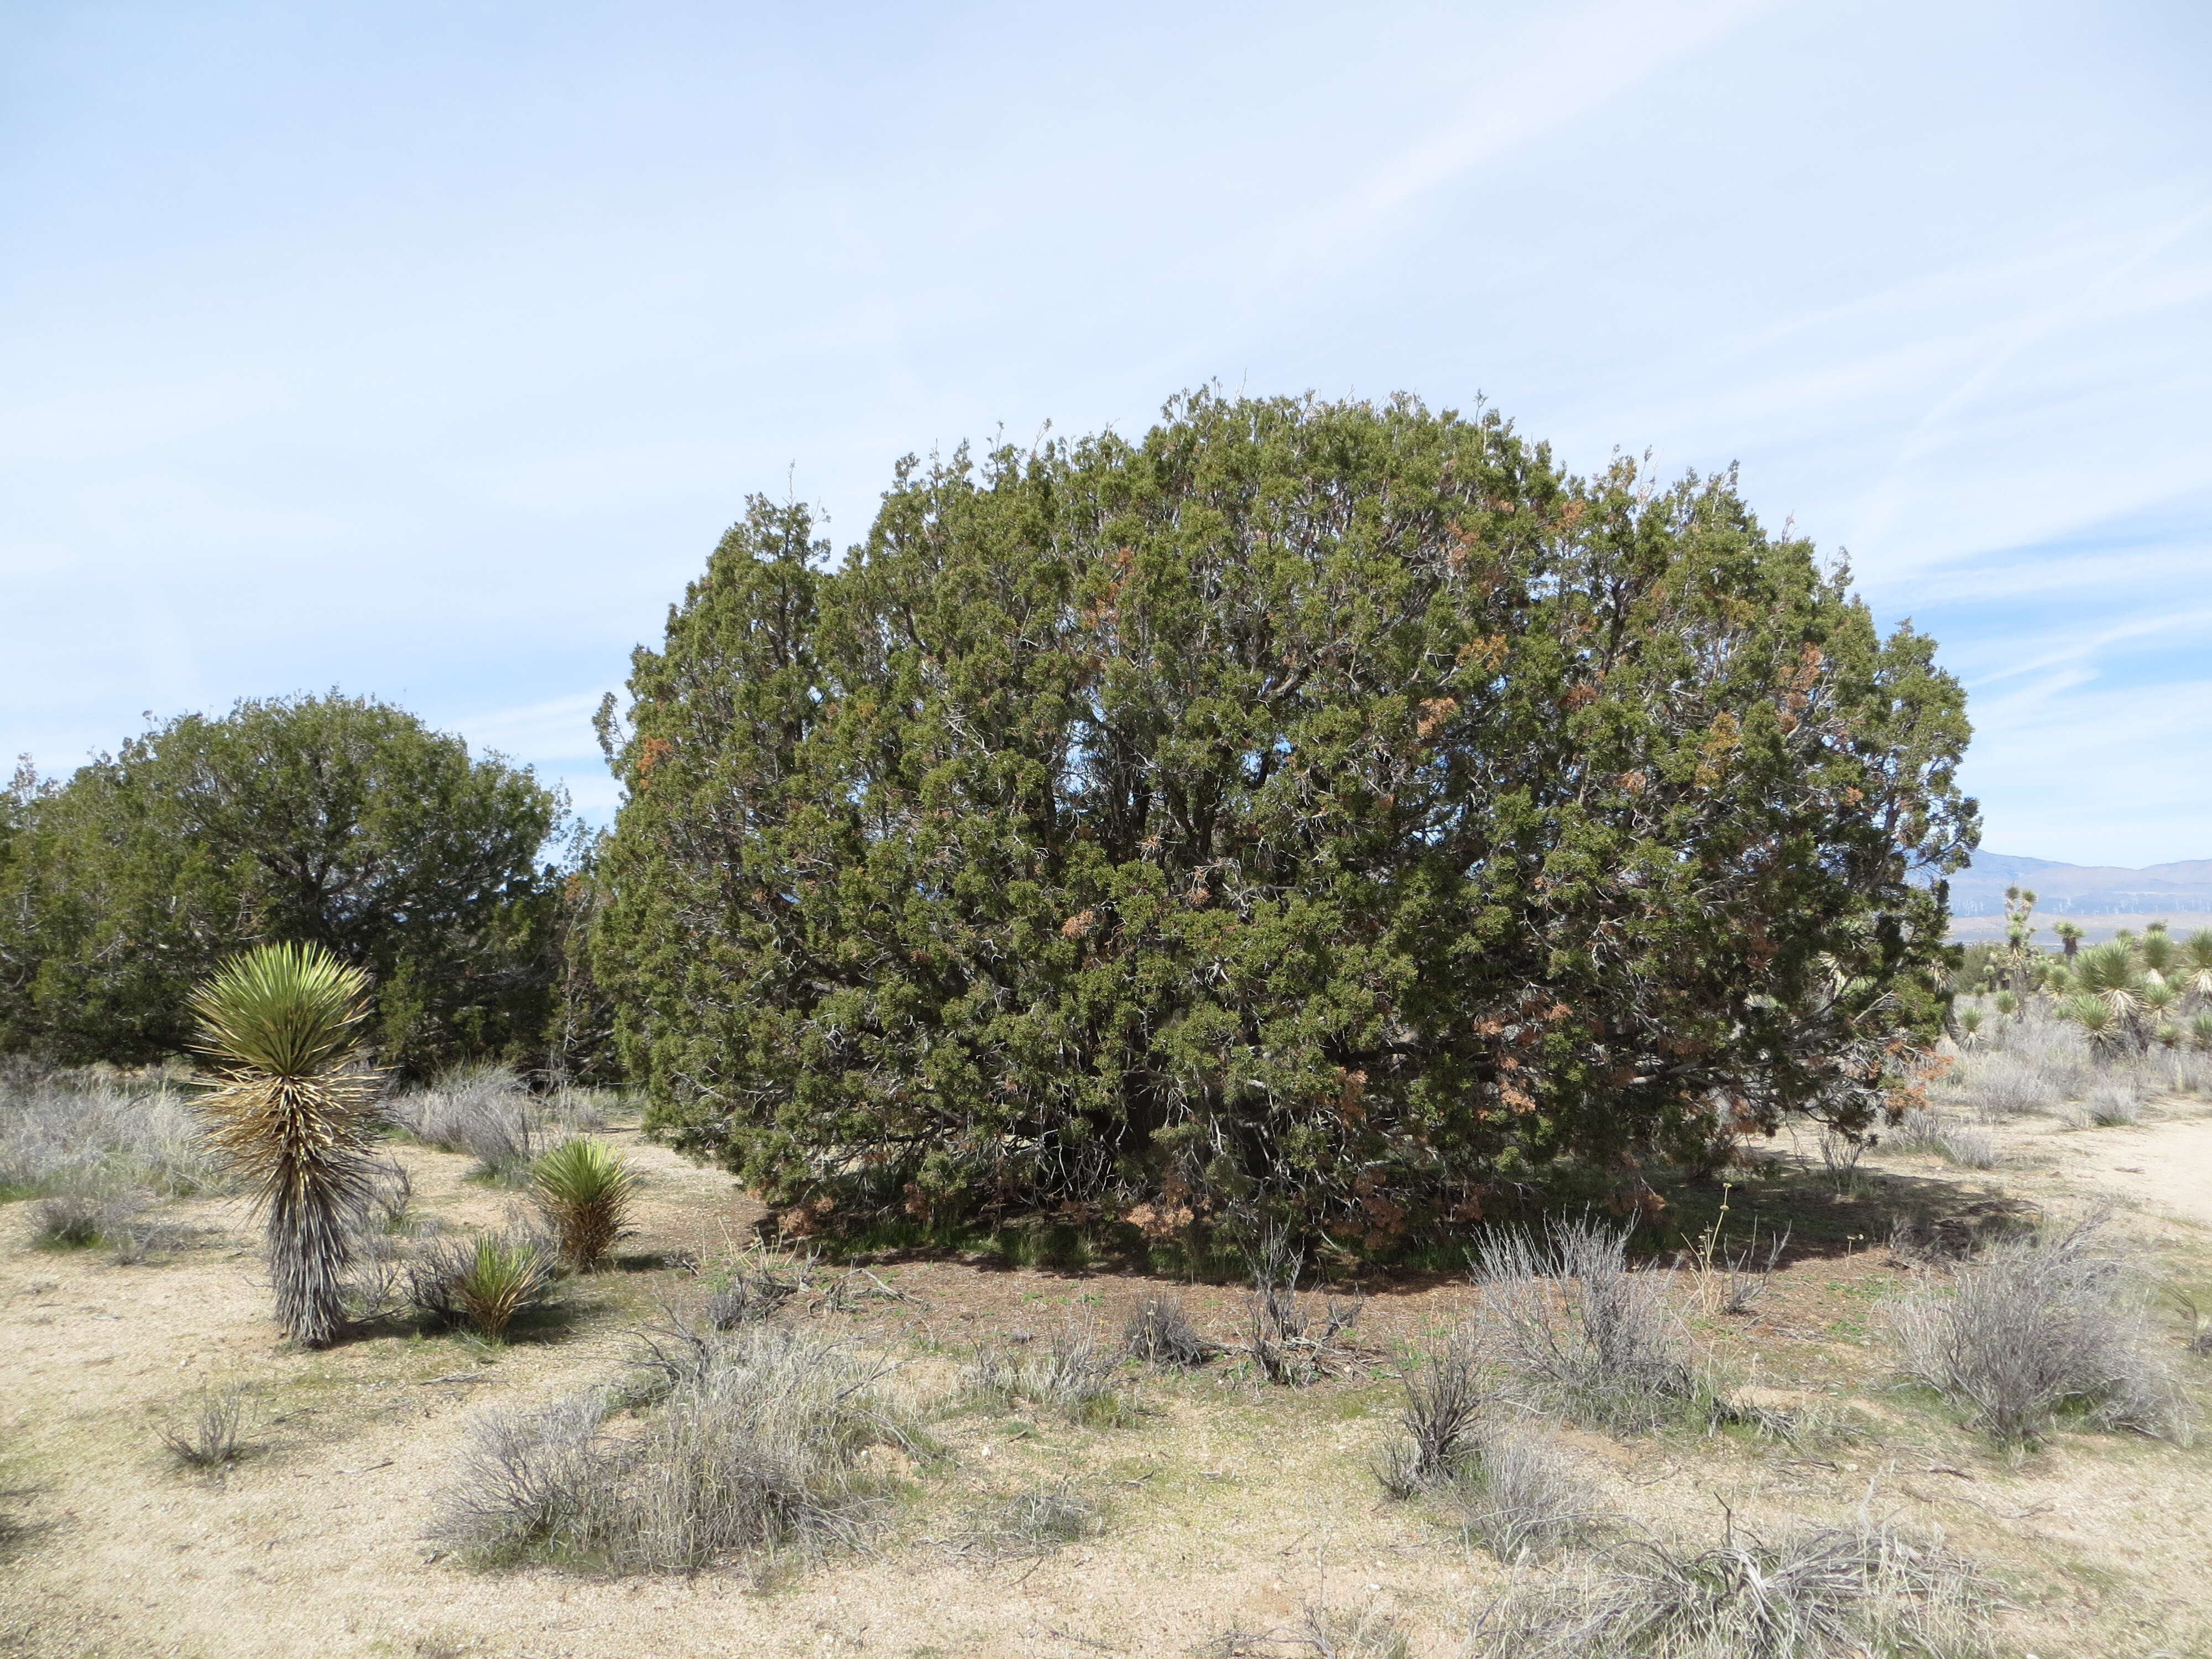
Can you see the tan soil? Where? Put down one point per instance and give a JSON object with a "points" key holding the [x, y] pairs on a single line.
{"points": [[1230, 1504]]}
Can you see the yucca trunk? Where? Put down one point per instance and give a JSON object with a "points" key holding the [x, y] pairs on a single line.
{"points": [[310, 1164]]}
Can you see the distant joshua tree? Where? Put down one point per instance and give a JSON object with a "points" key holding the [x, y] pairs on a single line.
{"points": [[2069, 935], [2018, 960]]}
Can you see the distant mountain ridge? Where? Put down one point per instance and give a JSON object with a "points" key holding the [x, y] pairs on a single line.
{"points": [[2081, 890]]}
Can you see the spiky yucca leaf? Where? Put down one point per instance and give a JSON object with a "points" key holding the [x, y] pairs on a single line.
{"points": [[585, 1191], [285, 1011], [295, 1116]]}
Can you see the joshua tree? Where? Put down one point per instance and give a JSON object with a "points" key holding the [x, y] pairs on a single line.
{"points": [[2107, 976], [2157, 948], [2196, 969], [2069, 935], [2019, 956], [294, 1115], [2106, 1030], [1970, 1025]]}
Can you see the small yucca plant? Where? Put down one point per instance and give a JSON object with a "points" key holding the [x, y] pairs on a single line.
{"points": [[295, 1116], [583, 1190], [484, 1284]]}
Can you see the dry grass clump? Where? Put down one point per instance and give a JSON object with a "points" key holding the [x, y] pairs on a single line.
{"points": [[483, 1282], [1825, 1593], [1584, 1333], [1320, 1633], [213, 1432], [1160, 1332], [65, 1132], [2036, 1328], [1075, 1374], [1520, 1495], [1037, 1521], [481, 1111], [1940, 1135], [761, 1450]]}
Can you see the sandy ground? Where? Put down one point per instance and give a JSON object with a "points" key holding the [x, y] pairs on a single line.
{"points": [[2164, 1166], [1229, 1505]]}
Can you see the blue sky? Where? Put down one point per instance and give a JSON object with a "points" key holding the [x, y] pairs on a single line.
{"points": [[425, 350]]}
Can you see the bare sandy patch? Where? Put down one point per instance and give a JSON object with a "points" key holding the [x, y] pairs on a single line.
{"points": [[1229, 1503]]}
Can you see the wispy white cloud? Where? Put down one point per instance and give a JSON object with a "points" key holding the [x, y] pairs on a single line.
{"points": [[1551, 74], [556, 729], [2079, 646]]}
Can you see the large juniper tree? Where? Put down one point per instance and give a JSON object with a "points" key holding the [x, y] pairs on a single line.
{"points": [[1320, 807]]}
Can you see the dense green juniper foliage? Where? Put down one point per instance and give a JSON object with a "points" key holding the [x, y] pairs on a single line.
{"points": [[1320, 811], [334, 821]]}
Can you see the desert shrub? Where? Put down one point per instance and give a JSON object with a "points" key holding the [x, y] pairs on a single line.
{"points": [[1253, 808], [212, 1432], [760, 1449], [1841, 1149], [1446, 1397], [388, 1207], [2036, 1327], [1968, 1146], [527, 1478], [577, 1111], [138, 1240], [1825, 1593], [2115, 1102], [1918, 1131], [756, 1285], [1160, 1332], [79, 1220], [2033, 1064], [1037, 1521], [1590, 1336], [1289, 1344], [1520, 1495], [584, 1191], [74, 1131], [483, 1282], [481, 1111], [1965, 1231]]}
